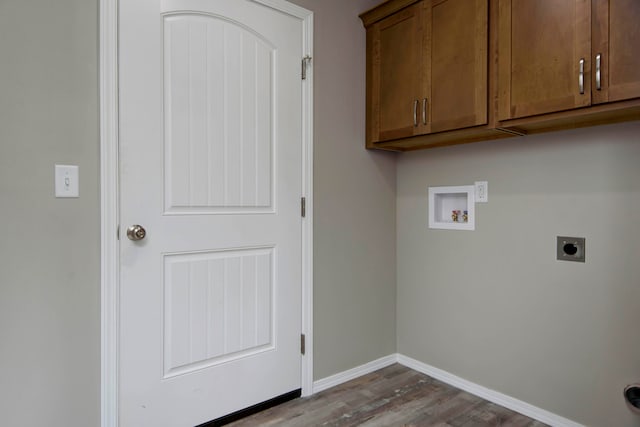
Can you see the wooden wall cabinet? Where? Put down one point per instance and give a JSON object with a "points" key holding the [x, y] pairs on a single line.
{"points": [[443, 72], [395, 75], [567, 63], [455, 55], [615, 50], [427, 72], [542, 46]]}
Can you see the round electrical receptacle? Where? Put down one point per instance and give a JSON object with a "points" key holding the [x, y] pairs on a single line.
{"points": [[632, 397]]}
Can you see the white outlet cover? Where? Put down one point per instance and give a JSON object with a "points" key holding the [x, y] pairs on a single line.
{"points": [[67, 181], [482, 191]]}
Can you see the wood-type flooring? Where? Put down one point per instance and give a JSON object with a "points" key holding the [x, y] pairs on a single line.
{"points": [[392, 396]]}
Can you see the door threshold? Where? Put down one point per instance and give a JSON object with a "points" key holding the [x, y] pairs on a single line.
{"points": [[243, 413]]}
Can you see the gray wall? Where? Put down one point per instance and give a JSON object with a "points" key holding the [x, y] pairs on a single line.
{"points": [[49, 255], [493, 306], [49, 250], [354, 190]]}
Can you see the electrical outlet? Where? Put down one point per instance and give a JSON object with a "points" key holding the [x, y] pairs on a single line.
{"points": [[482, 191], [570, 248]]}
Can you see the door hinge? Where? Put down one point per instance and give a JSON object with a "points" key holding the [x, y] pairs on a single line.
{"points": [[303, 207], [118, 232], [305, 64], [303, 348]]}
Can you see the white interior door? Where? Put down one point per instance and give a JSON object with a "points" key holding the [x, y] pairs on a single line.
{"points": [[210, 166]]}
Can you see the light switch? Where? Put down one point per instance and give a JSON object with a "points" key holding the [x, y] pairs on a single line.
{"points": [[67, 184]]}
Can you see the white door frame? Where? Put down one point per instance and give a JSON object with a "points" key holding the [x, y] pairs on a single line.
{"points": [[109, 186]]}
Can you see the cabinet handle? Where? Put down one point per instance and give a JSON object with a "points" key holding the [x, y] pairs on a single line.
{"points": [[581, 76], [424, 111], [415, 113], [598, 75]]}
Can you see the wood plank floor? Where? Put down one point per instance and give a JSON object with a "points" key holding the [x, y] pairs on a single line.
{"points": [[393, 396]]}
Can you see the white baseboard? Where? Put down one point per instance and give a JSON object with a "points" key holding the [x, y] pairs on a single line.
{"points": [[488, 394], [356, 372], [448, 378]]}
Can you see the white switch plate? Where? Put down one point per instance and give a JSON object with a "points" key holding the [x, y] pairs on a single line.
{"points": [[67, 178], [482, 191]]}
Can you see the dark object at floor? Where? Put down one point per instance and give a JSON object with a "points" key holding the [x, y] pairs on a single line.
{"points": [[244, 413]]}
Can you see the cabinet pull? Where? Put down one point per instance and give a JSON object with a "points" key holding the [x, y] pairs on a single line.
{"points": [[415, 113], [424, 111], [598, 75], [581, 77]]}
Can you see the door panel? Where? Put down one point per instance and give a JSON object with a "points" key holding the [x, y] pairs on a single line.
{"points": [[395, 82], [458, 77], [624, 51], [210, 165], [541, 43], [615, 33], [218, 79], [218, 307]]}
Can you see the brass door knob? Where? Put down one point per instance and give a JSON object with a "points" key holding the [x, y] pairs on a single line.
{"points": [[136, 232]]}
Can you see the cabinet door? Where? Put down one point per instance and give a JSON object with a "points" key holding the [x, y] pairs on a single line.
{"points": [[456, 56], [544, 56], [616, 49], [394, 67]]}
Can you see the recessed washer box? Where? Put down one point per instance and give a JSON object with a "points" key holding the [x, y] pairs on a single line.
{"points": [[447, 207]]}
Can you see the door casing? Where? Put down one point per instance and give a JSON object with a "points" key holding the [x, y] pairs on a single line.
{"points": [[109, 186]]}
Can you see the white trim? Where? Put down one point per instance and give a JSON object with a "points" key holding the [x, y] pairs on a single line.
{"points": [[109, 212], [307, 222], [287, 7], [488, 394], [447, 378], [356, 372]]}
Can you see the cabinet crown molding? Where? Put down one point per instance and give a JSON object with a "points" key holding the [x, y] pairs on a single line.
{"points": [[388, 8]]}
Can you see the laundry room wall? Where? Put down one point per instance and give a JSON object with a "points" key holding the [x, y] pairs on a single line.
{"points": [[494, 306], [49, 248]]}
